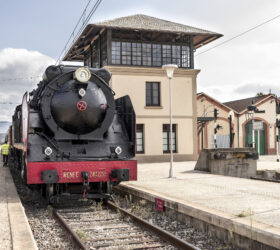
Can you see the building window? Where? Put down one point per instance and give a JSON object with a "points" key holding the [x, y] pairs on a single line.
{"points": [[126, 53], [147, 54], [152, 94], [157, 55], [176, 55], [166, 138], [186, 56], [136, 53], [166, 54], [140, 139], [116, 53]]}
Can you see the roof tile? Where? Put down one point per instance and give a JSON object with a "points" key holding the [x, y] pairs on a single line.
{"points": [[144, 22]]}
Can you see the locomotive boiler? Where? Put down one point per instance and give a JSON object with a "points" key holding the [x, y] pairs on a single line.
{"points": [[70, 136]]}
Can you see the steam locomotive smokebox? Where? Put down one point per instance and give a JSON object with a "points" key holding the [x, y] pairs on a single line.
{"points": [[237, 162]]}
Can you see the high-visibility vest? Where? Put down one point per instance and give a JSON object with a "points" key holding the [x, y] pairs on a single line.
{"points": [[5, 149]]}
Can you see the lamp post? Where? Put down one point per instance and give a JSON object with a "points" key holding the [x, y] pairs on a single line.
{"points": [[169, 68]]}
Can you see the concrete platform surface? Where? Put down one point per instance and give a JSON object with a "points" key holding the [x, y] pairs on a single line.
{"points": [[15, 232], [268, 162], [246, 201]]}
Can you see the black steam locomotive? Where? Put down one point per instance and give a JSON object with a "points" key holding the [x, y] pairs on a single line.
{"points": [[70, 136]]}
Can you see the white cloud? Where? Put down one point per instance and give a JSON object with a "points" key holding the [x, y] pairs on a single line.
{"points": [[240, 70], [20, 71]]}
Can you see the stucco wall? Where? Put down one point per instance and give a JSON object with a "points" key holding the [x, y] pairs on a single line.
{"points": [[207, 105], [132, 81]]}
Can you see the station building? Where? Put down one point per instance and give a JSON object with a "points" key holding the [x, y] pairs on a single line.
{"points": [[205, 130], [265, 136], [133, 49]]}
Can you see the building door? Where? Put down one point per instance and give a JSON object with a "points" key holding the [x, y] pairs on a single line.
{"points": [[259, 138]]}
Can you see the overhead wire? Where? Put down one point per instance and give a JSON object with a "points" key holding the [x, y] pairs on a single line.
{"points": [[73, 32], [85, 22], [239, 35]]}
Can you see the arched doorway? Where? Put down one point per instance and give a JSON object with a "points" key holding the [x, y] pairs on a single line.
{"points": [[260, 137]]}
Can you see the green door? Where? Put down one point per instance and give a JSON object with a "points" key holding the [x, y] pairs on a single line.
{"points": [[259, 138]]}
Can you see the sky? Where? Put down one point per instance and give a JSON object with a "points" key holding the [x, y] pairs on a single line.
{"points": [[33, 33]]}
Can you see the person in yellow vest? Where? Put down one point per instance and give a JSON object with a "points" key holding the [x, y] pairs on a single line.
{"points": [[5, 153]]}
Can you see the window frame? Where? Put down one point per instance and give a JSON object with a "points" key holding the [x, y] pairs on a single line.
{"points": [[154, 63], [140, 128], [153, 104], [166, 129]]}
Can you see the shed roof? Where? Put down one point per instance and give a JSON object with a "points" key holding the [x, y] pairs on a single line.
{"points": [[242, 104], [217, 103], [145, 23]]}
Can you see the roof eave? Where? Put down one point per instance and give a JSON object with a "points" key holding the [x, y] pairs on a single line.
{"points": [[209, 36]]}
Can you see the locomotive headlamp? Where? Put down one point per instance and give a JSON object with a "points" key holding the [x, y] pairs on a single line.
{"points": [[82, 75], [118, 150], [48, 151]]}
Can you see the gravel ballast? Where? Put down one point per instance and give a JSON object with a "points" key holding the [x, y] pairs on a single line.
{"points": [[147, 211], [49, 235], [47, 232]]}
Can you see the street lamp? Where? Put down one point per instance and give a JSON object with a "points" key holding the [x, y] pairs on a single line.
{"points": [[169, 68]]}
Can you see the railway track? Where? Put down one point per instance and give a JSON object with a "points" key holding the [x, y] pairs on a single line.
{"points": [[112, 227]]}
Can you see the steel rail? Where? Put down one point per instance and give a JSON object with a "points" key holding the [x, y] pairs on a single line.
{"points": [[77, 241], [164, 235]]}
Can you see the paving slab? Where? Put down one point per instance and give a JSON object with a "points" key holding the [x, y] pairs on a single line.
{"points": [[5, 232], [15, 232]]}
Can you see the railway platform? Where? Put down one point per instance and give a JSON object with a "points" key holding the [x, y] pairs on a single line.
{"points": [[15, 232], [242, 210]]}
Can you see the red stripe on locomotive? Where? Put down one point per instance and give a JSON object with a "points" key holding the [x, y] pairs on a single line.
{"points": [[70, 172]]}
